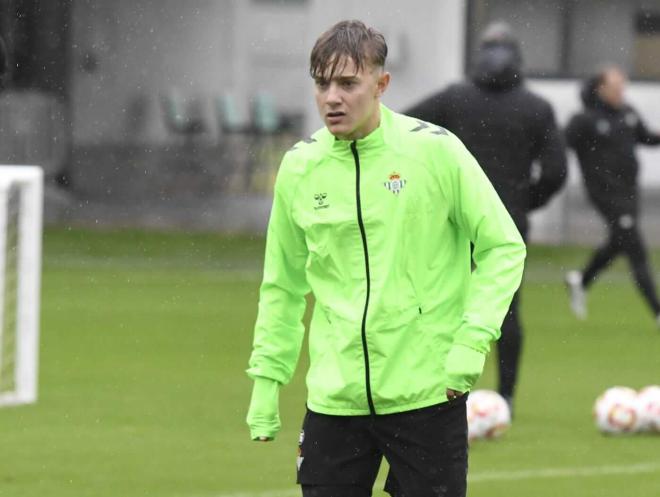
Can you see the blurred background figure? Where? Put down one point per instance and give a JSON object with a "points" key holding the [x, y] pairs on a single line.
{"points": [[604, 136], [508, 129], [3, 62]]}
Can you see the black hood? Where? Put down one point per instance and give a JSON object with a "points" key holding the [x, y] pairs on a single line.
{"points": [[588, 93], [498, 66]]}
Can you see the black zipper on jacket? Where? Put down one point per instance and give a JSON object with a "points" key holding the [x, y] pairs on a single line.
{"points": [[363, 233]]}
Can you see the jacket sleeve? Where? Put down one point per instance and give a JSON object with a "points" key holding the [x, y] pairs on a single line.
{"points": [[577, 132], [498, 255], [644, 135], [551, 156], [279, 330]]}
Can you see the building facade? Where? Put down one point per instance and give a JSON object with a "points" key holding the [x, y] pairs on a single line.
{"points": [[159, 89]]}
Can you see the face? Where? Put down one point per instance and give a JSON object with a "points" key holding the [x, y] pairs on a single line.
{"points": [[613, 87], [349, 102]]}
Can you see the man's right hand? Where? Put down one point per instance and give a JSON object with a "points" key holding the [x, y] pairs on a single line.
{"points": [[453, 394], [263, 416]]}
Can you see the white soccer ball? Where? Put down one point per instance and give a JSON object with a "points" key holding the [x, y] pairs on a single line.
{"points": [[488, 415], [615, 411], [648, 408]]}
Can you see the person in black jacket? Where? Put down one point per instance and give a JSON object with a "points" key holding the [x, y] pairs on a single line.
{"points": [[508, 129], [604, 136]]}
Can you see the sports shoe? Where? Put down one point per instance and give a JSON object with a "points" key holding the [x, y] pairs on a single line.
{"points": [[577, 294]]}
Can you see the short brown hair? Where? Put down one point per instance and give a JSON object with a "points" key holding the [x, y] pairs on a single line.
{"points": [[347, 39]]}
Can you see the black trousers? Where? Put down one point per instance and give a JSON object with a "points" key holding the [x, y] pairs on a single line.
{"points": [[509, 348], [624, 239], [426, 448]]}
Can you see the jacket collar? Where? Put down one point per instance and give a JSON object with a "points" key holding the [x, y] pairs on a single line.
{"points": [[374, 141], [597, 103]]}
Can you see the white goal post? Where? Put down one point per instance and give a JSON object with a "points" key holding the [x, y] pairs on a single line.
{"points": [[21, 211]]}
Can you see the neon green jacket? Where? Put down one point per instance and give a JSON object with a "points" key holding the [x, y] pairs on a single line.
{"points": [[379, 230]]}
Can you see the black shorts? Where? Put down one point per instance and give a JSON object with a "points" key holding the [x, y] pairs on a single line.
{"points": [[425, 448]]}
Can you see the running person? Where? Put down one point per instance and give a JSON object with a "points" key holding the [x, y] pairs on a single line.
{"points": [[508, 129], [374, 214], [604, 136]]}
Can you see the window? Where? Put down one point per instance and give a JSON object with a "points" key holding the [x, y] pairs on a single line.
{"points": [[646, 61], [570, 38], [280, 2]]}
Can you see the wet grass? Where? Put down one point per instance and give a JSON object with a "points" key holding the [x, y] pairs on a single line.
{"points": [[142, 392]]}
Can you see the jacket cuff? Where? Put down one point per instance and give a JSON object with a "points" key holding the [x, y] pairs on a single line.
{"points": [[463, 366], [263, 416]]}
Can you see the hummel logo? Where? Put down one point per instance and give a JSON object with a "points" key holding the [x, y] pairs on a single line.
{"points": [[320, 201], [436, 130]]}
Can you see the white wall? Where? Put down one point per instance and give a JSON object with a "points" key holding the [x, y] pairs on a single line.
{"points": [[602, 31], [144, 48], [271, 53], [196, 49], [205, 47], [202, 48]]}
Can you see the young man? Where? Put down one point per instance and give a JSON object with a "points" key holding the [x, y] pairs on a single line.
{"points": [[508, 129], [604, 136], [374, 214]]}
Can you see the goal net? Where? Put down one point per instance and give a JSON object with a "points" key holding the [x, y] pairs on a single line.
{"points": [[21, 204]]}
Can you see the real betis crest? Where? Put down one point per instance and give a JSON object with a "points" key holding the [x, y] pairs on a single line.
{"points": [[395, 184]]}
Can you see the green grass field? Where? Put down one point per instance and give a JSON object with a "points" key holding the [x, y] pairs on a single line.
{"points": [[142, 392]]}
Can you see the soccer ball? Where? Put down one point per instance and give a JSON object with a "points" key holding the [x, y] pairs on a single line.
{"points": [[648, 408], [488, 415], [615, 411]]}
